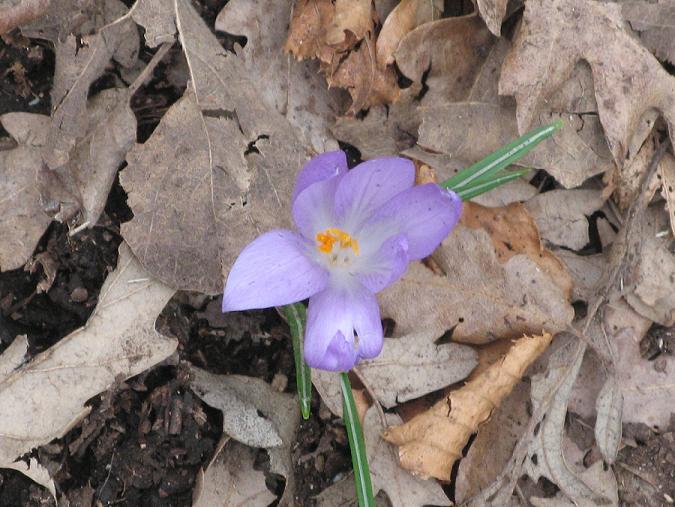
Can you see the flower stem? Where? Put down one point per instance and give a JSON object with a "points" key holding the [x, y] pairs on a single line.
{"points": [[357, 446], [297, 316]]}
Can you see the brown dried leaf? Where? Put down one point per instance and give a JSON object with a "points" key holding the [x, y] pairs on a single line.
{"points": [[448, 52], [23, 219], [561, 215], [295, 89], [430, 443], [198, 177], [628, 80], [355, 17], [406, 16], [306, 35], [511, 287], [230, 479], [655, 21], [666, 175]]}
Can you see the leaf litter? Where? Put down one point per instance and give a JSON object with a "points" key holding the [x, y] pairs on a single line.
{"points": [[590, 225]]}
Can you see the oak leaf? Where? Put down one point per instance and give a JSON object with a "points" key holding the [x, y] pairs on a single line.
{"points": [[628, 80], [655, 22], [431, 442]]}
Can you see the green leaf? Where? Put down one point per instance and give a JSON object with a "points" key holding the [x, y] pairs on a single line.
{"points": [[357, 445], [297, 317], [489, 168], [501, 178]]}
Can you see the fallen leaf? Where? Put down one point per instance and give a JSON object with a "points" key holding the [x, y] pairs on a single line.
{"points": [[586, 272], [491, 450], [406, 16], [295, 89], [44, 398], [545, 455], [402, 488], [217, 166], [655, 22], [24, 220], [407, 368], [431, 442], [447, 53], [306, 34], [609, 407], [157, 18], [628, 80], [14, 14], [513, 286], [231, 480], [562, 215], [354, 17], [666, 175], [493, 12], [239, 398]]}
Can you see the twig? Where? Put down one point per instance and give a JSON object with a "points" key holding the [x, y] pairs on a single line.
{"points": [[25, 12], [372, 395], [150, 67]]}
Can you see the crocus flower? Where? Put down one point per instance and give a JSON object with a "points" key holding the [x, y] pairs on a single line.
{"points": [[357, 230]]}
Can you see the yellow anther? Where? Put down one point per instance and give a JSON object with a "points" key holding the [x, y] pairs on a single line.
{"points": [[332, 235]]}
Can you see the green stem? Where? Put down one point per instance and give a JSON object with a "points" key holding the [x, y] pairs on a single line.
{"points": [[357, 446], [297, 316]]}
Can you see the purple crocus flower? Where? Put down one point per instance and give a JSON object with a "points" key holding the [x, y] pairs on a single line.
{"points": [[357, 232]]}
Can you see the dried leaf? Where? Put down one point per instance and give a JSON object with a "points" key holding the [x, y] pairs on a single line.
{"points": [[23, 219], [217, 166], [628, 80], [493, 12], [228, 393], [655, 21], [42, 399], [545, 452], [586, 272], [306, 35], [158, 20], [448, 54], [609, 407], [431, 442], [562, 215], [295, 89], [666, 175], [408, 367], [356, 17], [231, 480], [406, 16]]}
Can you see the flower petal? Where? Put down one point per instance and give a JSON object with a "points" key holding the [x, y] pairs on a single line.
{"points": [[273, 270], [386, 265], [426, 214], [319, 168], [313, 209], [332, 317], [368, 186]]}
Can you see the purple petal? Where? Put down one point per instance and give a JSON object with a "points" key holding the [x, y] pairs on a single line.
{"points": [[368, 186], [273, 270], [313, 209], [332, 317], [386, 265], [320, 168], [426, 214]]}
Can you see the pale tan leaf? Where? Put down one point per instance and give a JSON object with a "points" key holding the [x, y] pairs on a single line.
{"points": [[23, 219], [655, 21], [198, 177], [408, 367], [513, 286], [431, 442], [158, 20], [42, 399], [562, 215], [448, 52], [666, 175], [406, 16], [628, 80], [295, 89], [231, 481], [493, 12], [586, 272], [351, 16], [230, 393], [609, 406]]}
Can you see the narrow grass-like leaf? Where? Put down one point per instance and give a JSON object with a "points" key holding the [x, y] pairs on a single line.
{"points": [[502, 178], [297, 316], [357, 445], [484, 170]]}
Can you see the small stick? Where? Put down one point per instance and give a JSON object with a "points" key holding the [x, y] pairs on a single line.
{"points": [[150, 67]]}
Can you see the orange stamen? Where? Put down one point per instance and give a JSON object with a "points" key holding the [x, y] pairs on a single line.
{"points": [[332, 235]]}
